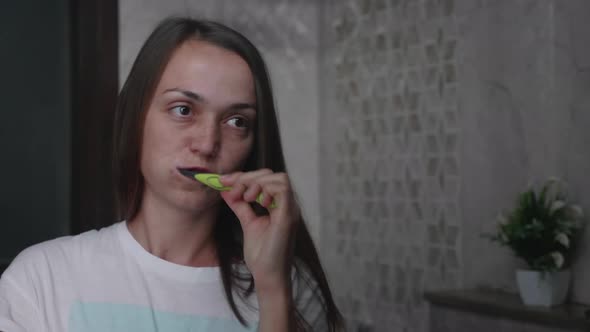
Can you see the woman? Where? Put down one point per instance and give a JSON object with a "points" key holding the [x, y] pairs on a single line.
{"points": [[185, 258]]}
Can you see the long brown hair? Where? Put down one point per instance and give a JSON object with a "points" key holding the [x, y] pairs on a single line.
{"points": [[267, 152]]}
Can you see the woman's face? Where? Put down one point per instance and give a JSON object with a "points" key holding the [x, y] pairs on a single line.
{"points": [[202, 115]]}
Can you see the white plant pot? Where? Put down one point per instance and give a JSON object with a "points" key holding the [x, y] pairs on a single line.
{"points": [[543, 289]]}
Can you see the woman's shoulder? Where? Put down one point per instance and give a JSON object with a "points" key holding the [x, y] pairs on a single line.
{"points": [[63, 249]]}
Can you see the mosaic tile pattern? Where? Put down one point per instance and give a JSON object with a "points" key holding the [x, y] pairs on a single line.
{"points": [[389, 158]]}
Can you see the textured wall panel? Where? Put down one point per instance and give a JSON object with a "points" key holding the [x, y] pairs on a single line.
{"points": [[389, 156]]}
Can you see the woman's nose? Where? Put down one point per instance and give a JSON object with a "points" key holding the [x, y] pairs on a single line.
{"points": [[206, 139]]}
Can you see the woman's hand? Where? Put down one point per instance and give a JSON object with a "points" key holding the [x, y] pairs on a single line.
{"points": [[268, 239]]}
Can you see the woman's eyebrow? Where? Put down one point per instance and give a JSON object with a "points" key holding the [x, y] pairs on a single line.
{"points": [[242, 106], [189, 94], [195, 96]]}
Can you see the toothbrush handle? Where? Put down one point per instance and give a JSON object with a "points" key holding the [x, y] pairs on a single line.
{"points": [[260, 198]]}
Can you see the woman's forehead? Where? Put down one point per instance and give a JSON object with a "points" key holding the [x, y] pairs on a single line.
{"points": [[209, 70]]}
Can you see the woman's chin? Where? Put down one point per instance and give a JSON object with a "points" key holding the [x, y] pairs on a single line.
{"points": [[198, 200]]}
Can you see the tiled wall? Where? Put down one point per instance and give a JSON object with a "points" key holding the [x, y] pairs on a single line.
{"points": [[435, 114], [390, 144]]}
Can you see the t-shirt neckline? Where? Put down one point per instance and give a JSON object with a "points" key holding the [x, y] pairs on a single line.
{"points": [[161, 266]]}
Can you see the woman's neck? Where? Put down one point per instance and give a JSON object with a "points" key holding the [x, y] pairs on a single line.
{"points": [[181, 238]]}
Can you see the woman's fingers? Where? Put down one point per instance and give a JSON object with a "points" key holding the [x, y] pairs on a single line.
{"points": [[264, 187], [251, 194], [241, 208], [241, 180], [274, 192], [231, 179], [275, 187], [268, 238]]}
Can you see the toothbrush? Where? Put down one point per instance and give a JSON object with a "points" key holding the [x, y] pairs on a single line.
{"points": [[212, 180]]}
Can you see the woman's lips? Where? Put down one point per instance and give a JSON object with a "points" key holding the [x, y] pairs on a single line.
{"points": [[195, 169]]}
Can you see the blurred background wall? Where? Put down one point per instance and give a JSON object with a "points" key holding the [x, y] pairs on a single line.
{"points": [[436, 114], [409, 125], [58, 87], [35, 125]]}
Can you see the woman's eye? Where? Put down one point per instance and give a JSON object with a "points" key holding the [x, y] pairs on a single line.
{"points": [[238, 122], [182, 111]]}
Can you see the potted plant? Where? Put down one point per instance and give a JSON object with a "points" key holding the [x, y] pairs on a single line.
{"points": [[542, 229]]}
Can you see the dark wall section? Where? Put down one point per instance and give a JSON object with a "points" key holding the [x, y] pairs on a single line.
{"points": [[58, 87], [95, 54], [34, 123]]}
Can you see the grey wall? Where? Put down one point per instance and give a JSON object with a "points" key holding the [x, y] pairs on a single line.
{"points": [[286, 34], [524, 85], [434, 115], [34, 131]]}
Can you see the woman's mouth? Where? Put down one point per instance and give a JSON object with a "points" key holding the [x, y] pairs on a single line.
{"points": [[190, 172], [193, 169]]}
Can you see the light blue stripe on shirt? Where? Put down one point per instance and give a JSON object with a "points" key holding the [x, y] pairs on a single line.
{"points": [[110, 317]]}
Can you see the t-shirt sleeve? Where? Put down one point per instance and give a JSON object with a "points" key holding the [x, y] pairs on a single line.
{"points": [[309, 301], [18, 310]]}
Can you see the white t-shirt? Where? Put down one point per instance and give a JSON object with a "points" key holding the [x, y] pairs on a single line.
{"points": [[106, 281]]}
